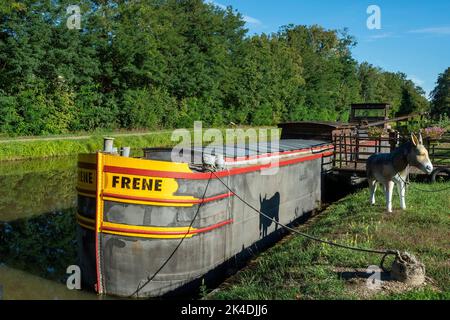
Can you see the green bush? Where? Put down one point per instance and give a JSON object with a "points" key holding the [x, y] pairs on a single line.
{"points": [[9, 119], [144, 108]]}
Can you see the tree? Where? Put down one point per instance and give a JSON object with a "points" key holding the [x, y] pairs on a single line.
{"points": [[440, 103], [372, 83], [329, 71], [413, 99]]}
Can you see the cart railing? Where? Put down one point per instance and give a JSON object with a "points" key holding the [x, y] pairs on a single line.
{"points": [[352, 149], [439, 150]]}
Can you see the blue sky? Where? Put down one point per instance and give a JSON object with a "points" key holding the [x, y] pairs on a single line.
{"points": [[414, 37]]}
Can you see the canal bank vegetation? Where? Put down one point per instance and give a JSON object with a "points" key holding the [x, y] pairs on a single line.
{"points": [[72, 146], [62, 146], [298, 268], [163, 64]]}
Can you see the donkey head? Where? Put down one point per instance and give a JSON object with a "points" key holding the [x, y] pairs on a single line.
{"points": [[418, 155]]}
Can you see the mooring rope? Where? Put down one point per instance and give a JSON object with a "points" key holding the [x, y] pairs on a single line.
{"points": [[149, 279], [385, 253]]}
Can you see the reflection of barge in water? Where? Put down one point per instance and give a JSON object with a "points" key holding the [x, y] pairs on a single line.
{"points": [[134, 212]]}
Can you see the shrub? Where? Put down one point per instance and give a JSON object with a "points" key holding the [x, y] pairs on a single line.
{"points": [[147, 109]]}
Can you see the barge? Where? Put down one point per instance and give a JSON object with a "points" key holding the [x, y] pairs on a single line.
{"points": [[133, 212]]}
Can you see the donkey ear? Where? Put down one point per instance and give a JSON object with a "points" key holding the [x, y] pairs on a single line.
{"points": [[420, 138], [414, 139]]}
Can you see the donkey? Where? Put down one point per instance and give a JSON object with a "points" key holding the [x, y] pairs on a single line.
{"points": [[392, 168]]}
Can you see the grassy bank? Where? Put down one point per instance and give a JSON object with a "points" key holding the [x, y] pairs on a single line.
{"points": [[298, 268], [32, 149], [59, 146]]}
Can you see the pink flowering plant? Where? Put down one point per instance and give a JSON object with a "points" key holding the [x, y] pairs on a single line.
{"points": [[433, 132]]}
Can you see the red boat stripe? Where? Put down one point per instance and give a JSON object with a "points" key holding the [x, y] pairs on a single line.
{"points": [[267, 155], [206, 176], [201, 230], [196, 201]]}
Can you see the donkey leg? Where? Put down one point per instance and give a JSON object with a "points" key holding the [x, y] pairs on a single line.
{"points": [[401, 186], [389, 187], [373, 189]]}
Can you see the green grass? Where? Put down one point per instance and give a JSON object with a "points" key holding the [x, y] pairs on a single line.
{"points": [[19, 150], [36, 148], [299, 268]]}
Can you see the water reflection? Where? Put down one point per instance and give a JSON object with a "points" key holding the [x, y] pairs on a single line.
{"points": [[34, 187], [44, 245], [38, 229]]}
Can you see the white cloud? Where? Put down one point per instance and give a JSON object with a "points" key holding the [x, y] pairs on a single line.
{"points": [[246, 18], [419, 82], [252, 20], [381, 36], [435, 30]]}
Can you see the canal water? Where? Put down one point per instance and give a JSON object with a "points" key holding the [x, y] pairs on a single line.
{"points": [[38, 229]]}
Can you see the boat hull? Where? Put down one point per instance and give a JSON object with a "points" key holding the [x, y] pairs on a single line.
{"points": [[126, 234]]}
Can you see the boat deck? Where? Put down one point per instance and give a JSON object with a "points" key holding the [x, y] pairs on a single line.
{"points": [[262, 148], [241, 152]]}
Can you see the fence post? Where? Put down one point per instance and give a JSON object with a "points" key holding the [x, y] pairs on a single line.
{"points": [[334, 146], [356, 156]]}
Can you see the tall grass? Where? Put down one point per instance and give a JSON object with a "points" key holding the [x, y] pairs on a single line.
{"points": [[57, 148]]}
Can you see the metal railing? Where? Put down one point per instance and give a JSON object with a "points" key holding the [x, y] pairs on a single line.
{"points": [[351, 150], [439, 150]]}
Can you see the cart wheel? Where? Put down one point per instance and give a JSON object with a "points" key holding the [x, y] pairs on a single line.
{"points": [[436, 172]]}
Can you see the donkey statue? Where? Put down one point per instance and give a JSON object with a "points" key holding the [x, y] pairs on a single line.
{"points": [[392, 168]]}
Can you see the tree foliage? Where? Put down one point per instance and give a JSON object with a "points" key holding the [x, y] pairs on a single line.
{"points": [[440, 96], [166, 63]]}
